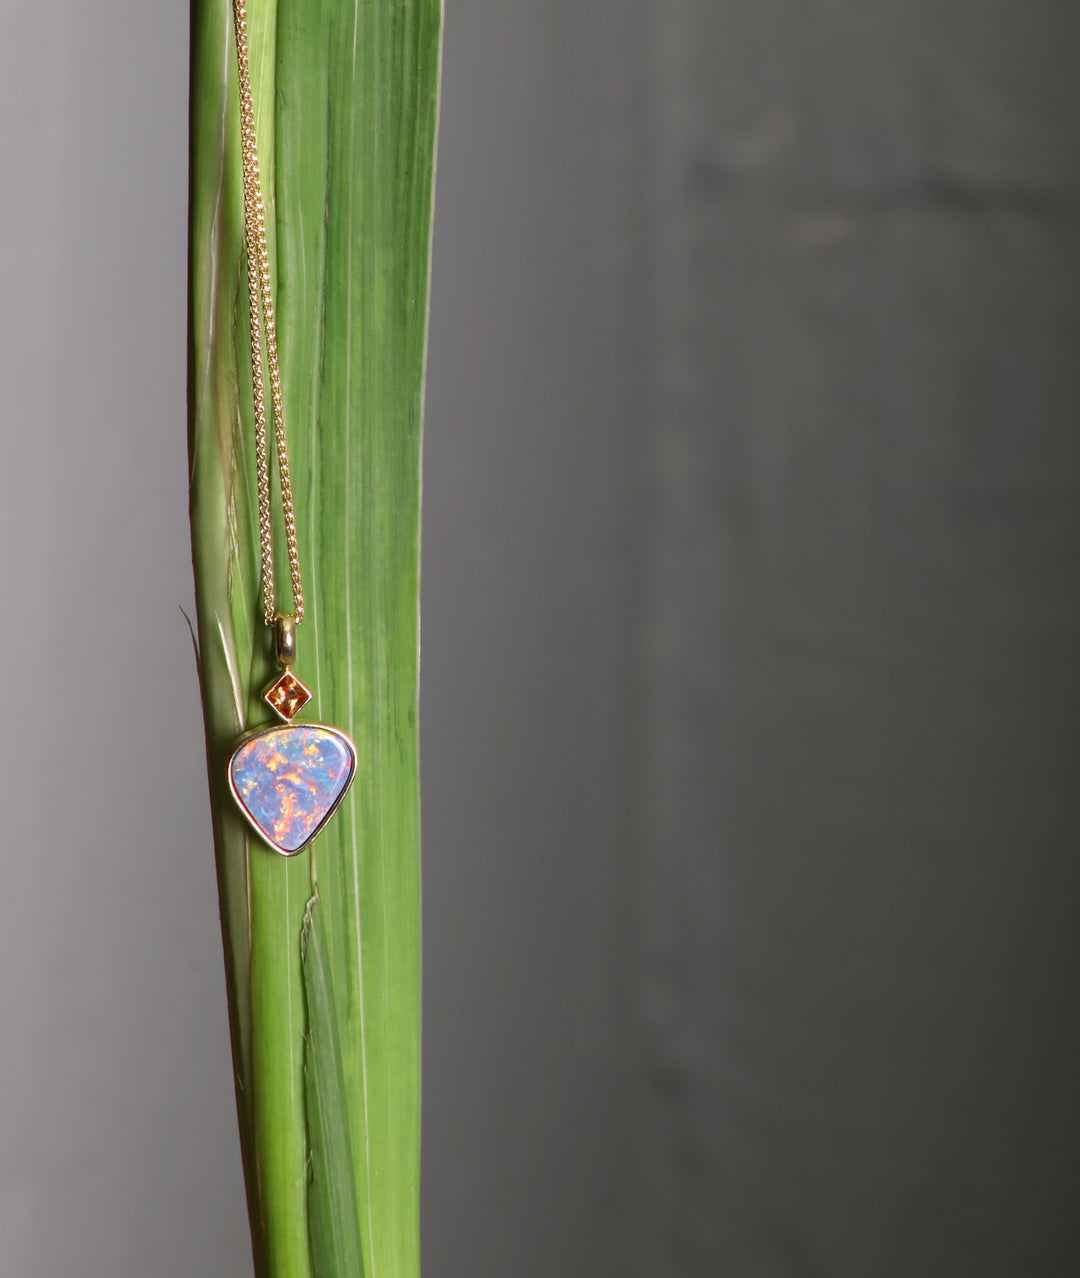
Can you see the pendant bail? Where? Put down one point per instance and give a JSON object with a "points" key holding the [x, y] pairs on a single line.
{"points": [[285, 639]]}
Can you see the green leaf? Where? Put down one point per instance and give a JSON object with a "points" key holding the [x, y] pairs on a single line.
{"points": [[333, 1221], [345, 98]]}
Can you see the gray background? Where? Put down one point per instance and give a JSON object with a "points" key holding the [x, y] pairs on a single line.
{"points": [[751, 679]]}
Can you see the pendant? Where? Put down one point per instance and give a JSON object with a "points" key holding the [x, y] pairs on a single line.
{"points": [[288, 779]]}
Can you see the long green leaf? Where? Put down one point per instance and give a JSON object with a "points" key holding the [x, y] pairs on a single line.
{"points": [[346, 98]]}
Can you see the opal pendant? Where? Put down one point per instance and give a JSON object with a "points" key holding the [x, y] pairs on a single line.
{"points": [[289, 779]]}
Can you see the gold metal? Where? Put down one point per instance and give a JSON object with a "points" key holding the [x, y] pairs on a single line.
{"points": [[261, 307], [286, 695], [285, 640]]}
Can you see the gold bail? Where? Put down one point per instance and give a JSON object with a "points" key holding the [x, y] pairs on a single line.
{"points": [[285, 639]]}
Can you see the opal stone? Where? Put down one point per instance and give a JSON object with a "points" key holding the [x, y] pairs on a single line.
{"points": [[289, 779]]}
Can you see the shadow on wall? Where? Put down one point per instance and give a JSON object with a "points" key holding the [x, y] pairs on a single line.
{"points": [[752, 641]]}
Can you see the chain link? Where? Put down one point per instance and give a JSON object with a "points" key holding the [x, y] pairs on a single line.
{"points": [[261, 305]]}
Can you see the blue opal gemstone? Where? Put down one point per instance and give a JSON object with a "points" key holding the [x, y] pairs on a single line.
{"points": [[288, 780]]}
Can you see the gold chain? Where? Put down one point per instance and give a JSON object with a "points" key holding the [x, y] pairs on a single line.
{"points": [[261, 299]]}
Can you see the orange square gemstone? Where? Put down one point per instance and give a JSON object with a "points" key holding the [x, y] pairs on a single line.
{"points": [[287, 694]]}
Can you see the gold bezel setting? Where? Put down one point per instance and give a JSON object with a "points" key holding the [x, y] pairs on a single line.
{"points": [[278, 728]]}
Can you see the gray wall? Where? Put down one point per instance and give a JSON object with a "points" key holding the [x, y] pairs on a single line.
{"points": [[751, 680], [118, 1153]]}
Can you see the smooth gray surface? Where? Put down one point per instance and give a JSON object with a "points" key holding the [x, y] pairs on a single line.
{"points": [[751, 674], [863, 637], [119, 1156], [754, 387], [527, 652]]}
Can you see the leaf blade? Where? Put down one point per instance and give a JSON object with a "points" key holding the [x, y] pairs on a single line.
{"points": [[346, 104]]}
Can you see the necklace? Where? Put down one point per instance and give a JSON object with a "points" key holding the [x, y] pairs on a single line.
{"points": [[287, 779]]}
